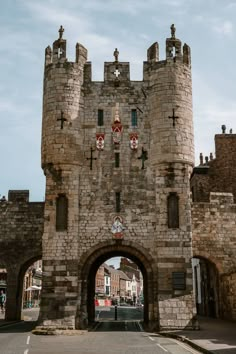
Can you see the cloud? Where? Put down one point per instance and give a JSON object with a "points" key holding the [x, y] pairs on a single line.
{"points": [[224, 28]]}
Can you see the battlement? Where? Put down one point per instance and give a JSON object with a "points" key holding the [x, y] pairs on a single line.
{"points": [[116, 71], [18, 196]]}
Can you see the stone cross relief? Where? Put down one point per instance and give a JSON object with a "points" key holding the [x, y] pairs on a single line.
{"points": [[62, 120], [173, 117], [59, 52], [116, 73], [143, 157], [91, 158]]}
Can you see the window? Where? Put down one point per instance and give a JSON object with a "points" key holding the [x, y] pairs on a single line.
{"points": [[61, 212], [117, 202], [178, 281], [134, 118], [173, 210], [100, 117], [117, 159]]}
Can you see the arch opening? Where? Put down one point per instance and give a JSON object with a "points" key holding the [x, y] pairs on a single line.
{"points": [[29, 286], [119, 291], [86, 313], [206, 287]]}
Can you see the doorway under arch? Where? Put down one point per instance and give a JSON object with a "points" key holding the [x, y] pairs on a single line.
{"points": [[206, 286], [90, 263]]}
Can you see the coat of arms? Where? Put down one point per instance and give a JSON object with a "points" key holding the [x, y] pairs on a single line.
{"points": [[100, 141], [133, 141]]}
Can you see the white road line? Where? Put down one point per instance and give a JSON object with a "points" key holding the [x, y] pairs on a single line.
{"points": [[26, 351], [28, 340], [140, 326], [151, 338], [98, 315], [159, 345]]}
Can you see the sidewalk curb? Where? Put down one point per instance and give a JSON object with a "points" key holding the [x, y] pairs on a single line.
{"points": [[8, 323], [185, 340]]}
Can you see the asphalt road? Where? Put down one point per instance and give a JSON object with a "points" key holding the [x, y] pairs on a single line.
{"points": [[123, 313], [108, 337]]}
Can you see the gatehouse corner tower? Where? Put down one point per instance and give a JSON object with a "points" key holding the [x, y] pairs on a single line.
{"points": [[117, 155]]}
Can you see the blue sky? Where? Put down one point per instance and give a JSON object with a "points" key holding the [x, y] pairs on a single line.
{"points": [[29, 26]]}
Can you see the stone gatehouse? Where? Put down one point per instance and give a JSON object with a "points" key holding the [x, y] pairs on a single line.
{"points": [[118, 156]]}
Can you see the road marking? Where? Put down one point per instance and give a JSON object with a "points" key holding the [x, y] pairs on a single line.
{"points": [[140, 326], [151, 338], [26, 351], [159, 345], [96, 327], [28, 340]]}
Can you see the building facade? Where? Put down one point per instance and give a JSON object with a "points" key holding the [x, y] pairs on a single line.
{"points": [[117, 156]]}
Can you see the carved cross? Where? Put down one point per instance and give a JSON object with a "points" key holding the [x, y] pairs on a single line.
{"points": [[59, 52], [117, 73], [61, 30], [91, 158], [62, 119], [173, 117], [143, 157]]}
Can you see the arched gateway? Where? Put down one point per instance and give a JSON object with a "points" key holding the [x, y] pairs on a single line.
{"points": [[117, 156], [90, 263]]}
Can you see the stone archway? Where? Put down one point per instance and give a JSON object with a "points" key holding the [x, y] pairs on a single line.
{"points": [[16, 275], [90, 263]]}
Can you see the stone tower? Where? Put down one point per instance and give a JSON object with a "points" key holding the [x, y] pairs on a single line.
{"points": [[117, 156]]}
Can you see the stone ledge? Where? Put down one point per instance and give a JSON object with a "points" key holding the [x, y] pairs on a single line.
{"points": [[49, 331]]}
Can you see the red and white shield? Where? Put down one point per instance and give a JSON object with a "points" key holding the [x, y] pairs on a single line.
{"points": [[133, 141], [100, 137]]}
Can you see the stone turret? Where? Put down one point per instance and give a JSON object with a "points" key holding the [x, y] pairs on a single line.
{"points": [[172, 159], [61, 159], [170, 102], [62, 102]]}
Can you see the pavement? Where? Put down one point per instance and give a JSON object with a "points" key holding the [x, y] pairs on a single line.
{"points": [[214, 336]]}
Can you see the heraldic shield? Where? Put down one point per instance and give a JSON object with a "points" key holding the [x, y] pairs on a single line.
{"points": [[133, 141], [100, 138]]}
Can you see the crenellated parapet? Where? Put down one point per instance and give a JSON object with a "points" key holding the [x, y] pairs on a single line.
{"points": [[58, 53]]}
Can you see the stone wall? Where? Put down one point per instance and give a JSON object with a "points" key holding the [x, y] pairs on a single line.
{"points": [[214, 239], [218, 174], [20, 243]]}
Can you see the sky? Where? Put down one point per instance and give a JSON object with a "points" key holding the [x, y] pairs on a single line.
{"points": [[29, 26]]}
